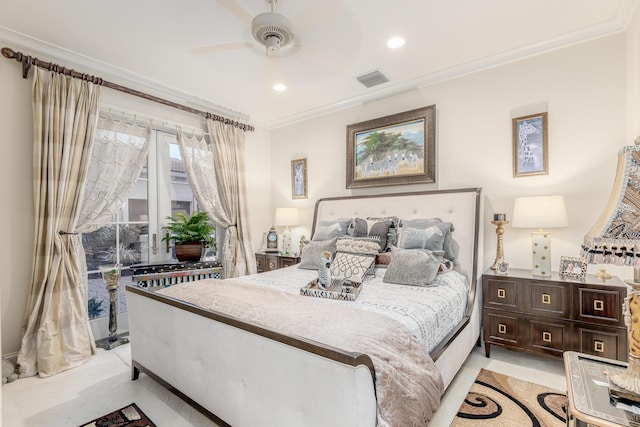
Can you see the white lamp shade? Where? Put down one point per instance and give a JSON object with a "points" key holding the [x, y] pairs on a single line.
{"points": [[539, 212], [287, 216]]}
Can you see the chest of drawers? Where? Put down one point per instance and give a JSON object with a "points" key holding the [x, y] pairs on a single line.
{"points": [[552, 315]]}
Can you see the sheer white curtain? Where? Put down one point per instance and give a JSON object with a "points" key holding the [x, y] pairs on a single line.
{"points": [[55, 332], [119, 154], [216, 174]]}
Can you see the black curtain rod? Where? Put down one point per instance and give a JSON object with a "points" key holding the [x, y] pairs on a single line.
{"points": [[27, 61]]}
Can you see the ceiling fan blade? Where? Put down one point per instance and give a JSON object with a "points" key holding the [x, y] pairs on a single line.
{"points": [[237, 10], [215, 48]]}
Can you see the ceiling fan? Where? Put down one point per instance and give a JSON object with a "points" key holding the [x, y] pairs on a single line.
{"points": [[270, 29]]}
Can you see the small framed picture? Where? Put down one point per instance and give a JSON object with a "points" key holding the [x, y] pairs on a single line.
{"points": [[573, 268], [530, 145], [299, 179]]}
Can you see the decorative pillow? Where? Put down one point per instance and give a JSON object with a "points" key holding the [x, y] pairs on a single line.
{"points": [[413, 266], [312, 253], [354, 258], [327, 230], [353, 267], [409, 238], [373, 227]]}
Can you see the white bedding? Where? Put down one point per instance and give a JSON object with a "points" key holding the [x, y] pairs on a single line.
{"points": [[429, 312]]}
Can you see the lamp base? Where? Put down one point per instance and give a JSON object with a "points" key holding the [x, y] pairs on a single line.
{"points": [[109, 343], [541, 243], [628, 382]]}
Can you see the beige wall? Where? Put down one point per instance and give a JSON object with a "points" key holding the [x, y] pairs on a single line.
{"points": [[581, 87], [17, 194]]}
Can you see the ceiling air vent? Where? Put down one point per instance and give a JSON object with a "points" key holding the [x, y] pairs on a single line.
{"points": [[372, 78]]}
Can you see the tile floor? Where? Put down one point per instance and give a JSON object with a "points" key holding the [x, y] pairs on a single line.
{"points": [[103, 385]]}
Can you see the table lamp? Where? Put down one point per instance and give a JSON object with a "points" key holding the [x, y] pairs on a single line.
{"points": [[286, 217], [615, 239], [541, 212]]}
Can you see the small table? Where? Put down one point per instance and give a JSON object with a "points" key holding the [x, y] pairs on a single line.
{"points": [[588, 392], [167, 274]]}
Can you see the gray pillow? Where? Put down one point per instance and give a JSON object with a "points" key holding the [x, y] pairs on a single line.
{"points": [[312, 253], [326, 230], [413, 267], [372, 227], [412, 239]]}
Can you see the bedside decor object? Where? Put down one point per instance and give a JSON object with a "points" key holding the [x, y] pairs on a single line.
{"points": [[530, 145], [299, 179], [190, 234], [540, 212], [392, 150], [324, 272], [572, 268], [286, 217], [111, 277], [503, 266], [499, 220], [272, 240]]}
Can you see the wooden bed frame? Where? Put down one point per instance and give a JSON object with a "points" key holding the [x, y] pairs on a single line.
{"points": [[242, 374]]}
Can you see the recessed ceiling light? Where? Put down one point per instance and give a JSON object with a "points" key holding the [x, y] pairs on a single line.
{"points": [[279, 87], [395, 42]]}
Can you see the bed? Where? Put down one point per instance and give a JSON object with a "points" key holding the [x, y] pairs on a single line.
{"points": [[253, 351]]}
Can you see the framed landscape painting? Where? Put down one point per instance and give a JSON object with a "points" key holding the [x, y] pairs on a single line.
{"points": [[530, 145], [392, 150]]}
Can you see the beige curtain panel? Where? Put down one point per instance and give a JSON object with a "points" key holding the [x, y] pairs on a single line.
{"points": [[56, 331], [216, 174]]}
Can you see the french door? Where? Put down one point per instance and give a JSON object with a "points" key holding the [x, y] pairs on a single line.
{"points": [[135, 234]]}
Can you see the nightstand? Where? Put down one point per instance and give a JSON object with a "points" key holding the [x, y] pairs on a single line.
{"points": [[550, 315], [588, 392], [267, 261]]}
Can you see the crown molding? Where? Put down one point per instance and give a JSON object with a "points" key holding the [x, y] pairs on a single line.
{"points": [[52, 53]]}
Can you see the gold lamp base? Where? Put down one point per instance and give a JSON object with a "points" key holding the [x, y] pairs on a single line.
{"points": [[629, 380]]}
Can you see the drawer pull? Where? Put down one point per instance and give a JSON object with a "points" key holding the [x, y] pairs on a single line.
{"points": [[546, 299], [502, 328], [598, 305], [546, 336], [272, 265], [501, 293], [598, 346]]}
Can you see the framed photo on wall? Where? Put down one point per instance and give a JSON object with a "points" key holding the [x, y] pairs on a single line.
{"points": [[530, 145], [392, 150], [573, 268], [299, 179]]}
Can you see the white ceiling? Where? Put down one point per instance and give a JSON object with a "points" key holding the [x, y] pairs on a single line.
{"points": [[163, 44]]}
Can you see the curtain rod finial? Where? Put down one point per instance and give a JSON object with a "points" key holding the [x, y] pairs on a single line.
{"points": [[7, 52]]}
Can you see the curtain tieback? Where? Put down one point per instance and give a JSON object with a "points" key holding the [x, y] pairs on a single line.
{"points": [[63, 233]]}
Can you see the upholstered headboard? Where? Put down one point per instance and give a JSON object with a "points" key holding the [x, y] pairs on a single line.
{"points": [[461, 207]]}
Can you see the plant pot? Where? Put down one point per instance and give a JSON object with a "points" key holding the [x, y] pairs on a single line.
{"points": [[190, 251]]}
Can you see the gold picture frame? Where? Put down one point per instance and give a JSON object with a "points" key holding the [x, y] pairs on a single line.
{"points": [[393, 150], [299, 179], [530, 145]]}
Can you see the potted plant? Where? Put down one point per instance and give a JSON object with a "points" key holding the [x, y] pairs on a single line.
{"points": [[190, 234]]}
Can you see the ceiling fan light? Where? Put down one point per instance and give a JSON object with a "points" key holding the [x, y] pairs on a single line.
{"points": [[273, 44]]}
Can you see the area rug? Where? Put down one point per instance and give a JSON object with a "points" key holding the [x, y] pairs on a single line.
{"points": [[129, 416], [498, 400]]}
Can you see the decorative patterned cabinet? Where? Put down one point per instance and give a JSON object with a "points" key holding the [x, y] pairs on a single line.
{"points": [[267, 261], [167, 274], [550, 315]]}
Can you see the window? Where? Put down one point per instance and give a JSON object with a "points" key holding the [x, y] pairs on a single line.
{"points": [[134, 236]]}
